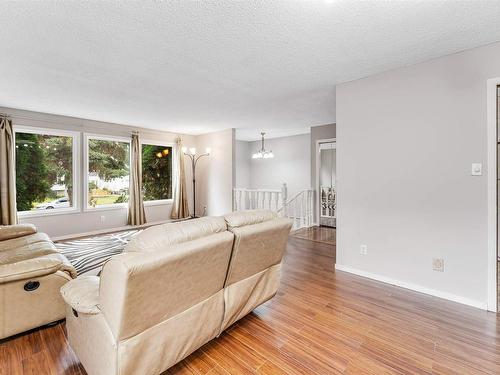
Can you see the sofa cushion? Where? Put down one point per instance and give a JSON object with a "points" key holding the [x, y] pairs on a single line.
{"points": [[163, 236], [257, 247], [30, 251], [14, 231], [249, 217], [35, 267], [14, 243], [139, 290]]}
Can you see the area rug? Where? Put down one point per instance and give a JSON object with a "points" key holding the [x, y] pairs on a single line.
{"points": [[88, 255]]}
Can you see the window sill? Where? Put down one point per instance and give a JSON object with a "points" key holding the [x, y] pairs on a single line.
{"points": [[107, 207], [42, 213], [158, 202]]}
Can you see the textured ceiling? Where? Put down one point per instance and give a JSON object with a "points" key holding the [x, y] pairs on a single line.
{"points": [[195, 67]]}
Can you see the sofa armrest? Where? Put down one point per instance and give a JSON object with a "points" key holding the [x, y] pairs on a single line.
{"points": [[82, 294], [8, 232], [35, 267]]}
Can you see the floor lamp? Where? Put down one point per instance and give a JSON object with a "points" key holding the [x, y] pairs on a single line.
{"points": [[194, 160]]}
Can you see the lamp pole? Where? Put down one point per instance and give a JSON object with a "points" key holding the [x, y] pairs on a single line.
{"points": [[194, 160]]}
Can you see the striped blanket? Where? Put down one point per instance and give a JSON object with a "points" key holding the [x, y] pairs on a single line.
{"points": [[88, 255]]}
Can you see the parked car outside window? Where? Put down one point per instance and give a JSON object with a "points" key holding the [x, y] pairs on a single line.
{"points": [[57, 203]]}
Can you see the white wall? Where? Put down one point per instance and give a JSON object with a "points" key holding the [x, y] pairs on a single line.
{"points": [[290, 165], [215, 174], [86, 221], [242, 164], [405, 143]]}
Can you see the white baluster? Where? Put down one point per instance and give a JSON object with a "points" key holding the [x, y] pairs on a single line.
{"points": [[295, 214], [307, 213], [308, 208], [302, 210]]}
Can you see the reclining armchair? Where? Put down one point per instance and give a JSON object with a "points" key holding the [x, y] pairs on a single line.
{"points": [[31, 273]]}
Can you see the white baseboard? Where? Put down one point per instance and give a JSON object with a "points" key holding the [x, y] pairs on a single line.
{"points": [[414, 287]]}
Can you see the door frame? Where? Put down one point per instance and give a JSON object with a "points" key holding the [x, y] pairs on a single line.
{"points": [[492, 297], [318, 160]]}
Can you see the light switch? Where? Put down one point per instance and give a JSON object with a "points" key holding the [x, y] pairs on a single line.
{"points": [[477, 169]]}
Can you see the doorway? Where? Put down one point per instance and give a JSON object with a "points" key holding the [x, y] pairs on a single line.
{"points": [[324, 230], [326, 189]]}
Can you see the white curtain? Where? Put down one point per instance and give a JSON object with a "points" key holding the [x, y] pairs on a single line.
{"points": [[180, 208], [8, 213], [136, 214]]}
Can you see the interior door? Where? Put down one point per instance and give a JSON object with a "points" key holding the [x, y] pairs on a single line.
{"points": [[327, 192]]}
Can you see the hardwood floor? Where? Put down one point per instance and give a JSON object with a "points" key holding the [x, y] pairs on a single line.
{"points": [[318, 234], [321, 322]]}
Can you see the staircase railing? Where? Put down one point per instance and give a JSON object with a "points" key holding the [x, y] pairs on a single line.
{"points": [[252, 199], [299, 208]]}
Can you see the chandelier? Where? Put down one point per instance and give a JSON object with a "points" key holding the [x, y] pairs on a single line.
{"points": [[262, 153]]}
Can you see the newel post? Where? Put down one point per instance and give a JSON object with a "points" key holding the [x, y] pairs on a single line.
{"points": [[284, 198]]}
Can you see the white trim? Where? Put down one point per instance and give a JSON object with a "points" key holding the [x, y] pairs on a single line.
{"points": [[318, 162], [414, 287], [105, 137], [157, 143], [159, 202], [42, 213], [75, 145], [492, 191], [174, 170], [107, 207], [87, 136], [44, 131]]}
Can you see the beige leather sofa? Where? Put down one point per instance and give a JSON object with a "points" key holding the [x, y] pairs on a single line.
{"points": [[31, 273], [253, 275], [176, 287]]}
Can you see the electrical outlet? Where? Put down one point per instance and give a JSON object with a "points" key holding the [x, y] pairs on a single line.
{"points": [[438, 264], [477, 169], [363, 249], [103, 219]]}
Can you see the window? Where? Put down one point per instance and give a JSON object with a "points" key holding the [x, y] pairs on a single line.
{"points": [[157, 172], [45, 170], [108, 171]]}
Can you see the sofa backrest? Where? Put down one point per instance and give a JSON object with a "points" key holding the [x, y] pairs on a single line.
{"points": [[140, 289], [161, 237], [260, 242]]}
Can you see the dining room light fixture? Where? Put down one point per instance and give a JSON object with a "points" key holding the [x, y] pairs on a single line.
{"points": [[263, 153]]}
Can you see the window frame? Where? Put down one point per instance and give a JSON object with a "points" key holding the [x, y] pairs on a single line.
{"points": [[157, 202], [100, 137], [75, 168]]}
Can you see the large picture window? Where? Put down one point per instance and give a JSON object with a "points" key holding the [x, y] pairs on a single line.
{"points": [[108, 172], [45, 165], [156, 172]]}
